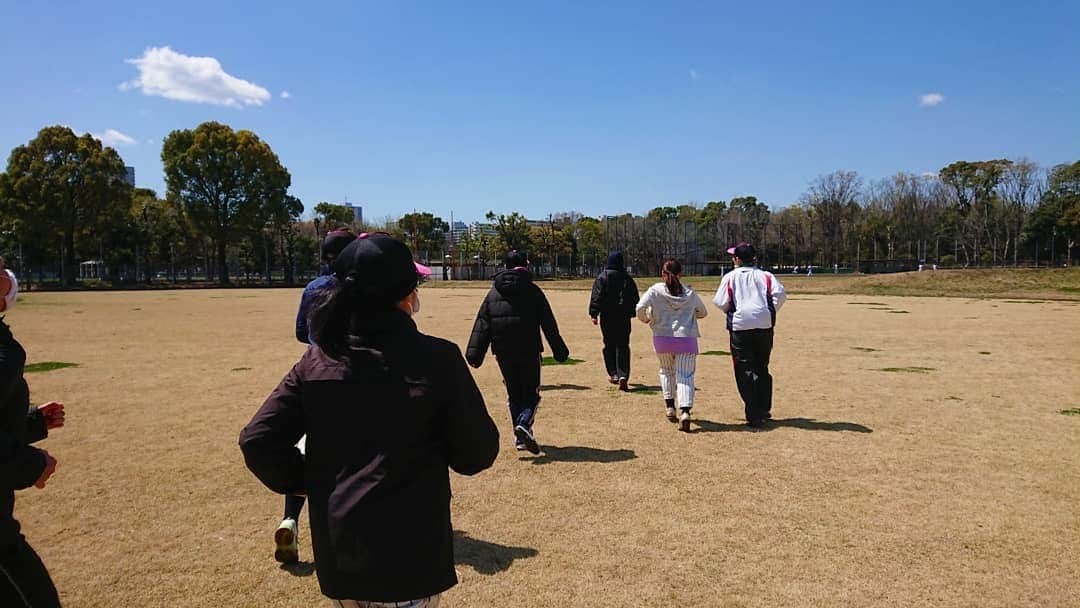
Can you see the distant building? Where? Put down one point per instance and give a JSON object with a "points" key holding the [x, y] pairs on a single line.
{"points": [[457, 230], [476, 229], [357, 210], [129, 176]]}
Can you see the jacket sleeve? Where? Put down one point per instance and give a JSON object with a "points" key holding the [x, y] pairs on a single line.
{"points": [[36, 430], [551, 328], [632, 302], [480, 338], [642, 307], [722, 300], [269, 440], [302, 330], [778, 295], [20, 464], [471, 436], [598, 288], [700, 310]]}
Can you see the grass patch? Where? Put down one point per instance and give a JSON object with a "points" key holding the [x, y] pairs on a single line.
{"points": [[552, 361], [716, 352], [1069, 290], [47, 366], [1072, 411], [240, 369], [984, 352], [952, 398], [907, 370], [865, 349], [868, 303], [899, 312], [1025, 301]]}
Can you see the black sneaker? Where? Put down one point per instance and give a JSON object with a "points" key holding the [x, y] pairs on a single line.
{"points": [[526, 438], [767, 416], [756, 423], [623, 386]]}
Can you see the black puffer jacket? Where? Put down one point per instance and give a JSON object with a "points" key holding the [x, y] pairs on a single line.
{"points": [[613, 294], [510, 320], [382, 427], [20, 464]]}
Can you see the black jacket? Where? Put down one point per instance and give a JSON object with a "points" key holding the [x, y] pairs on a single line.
{"points": [[382, 428], [20, 464], [614, 293], [510, 320]]}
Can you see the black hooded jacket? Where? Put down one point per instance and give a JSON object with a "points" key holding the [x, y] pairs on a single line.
{"points": [[382, 426], [613, 294], [20, 464], [511, 318]]}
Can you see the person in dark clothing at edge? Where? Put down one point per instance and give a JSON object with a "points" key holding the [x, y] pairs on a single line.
{"points": [[751, 297], [386, 410], [510, 320], [286, 547], [614, 300], [24, 580]]}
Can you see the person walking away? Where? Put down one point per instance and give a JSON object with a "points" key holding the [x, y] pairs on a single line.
{"points": [[386, 410], [510, 320], [24, 580], [612, 305], [751, 297], [286, 545], [672, 311]]}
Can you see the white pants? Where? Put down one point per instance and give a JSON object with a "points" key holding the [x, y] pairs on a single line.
{"points": [[677, 377], [427, 602]]}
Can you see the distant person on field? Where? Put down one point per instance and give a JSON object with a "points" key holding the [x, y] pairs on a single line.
{"points": [[286, 547], [510, 321], [386, 409], [809, 270], [672, 311], [614, 299], [24, 580], [751, 298]]}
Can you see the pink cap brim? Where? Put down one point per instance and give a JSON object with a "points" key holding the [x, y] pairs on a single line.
{"points": [[422, 270], [731, 251]]}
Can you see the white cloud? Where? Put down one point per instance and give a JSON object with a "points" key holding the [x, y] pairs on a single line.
{"points": [[166, 73], [151, 141], [285, 95], [930, 100], [693, 74], [112, 137]]}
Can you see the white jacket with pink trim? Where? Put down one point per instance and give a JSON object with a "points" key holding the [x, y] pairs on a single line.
{"points": [[750, 297]]}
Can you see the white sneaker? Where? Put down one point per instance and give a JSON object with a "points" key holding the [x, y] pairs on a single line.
{"points": [[287, 551], [684, 421], [671, 415]]}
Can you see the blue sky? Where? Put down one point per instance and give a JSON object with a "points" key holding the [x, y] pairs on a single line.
{"points": [[555, 106]]}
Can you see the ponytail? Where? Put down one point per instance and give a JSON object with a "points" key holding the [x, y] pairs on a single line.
{"points": [[345, 317], [672, 268]]}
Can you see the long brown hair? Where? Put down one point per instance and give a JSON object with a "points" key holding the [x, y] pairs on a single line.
{"points": [[672, 268]]}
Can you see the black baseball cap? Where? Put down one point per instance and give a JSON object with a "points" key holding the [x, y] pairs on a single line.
{"points": [[379, 265], [744, 251], [516, 259], [335, 241]]}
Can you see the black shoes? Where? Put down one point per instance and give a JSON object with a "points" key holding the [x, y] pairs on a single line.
{"points": [[525, 437]]}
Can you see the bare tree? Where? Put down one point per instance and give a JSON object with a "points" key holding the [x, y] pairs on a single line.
{"points": [[828, 198]]}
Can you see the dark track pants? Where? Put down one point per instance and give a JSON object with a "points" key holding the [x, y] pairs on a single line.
{"points": [[750, 350], [24, 581], [522, 379], [616, 332]]}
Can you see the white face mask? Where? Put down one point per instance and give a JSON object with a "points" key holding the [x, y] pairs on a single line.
{"points": [[415, 302]]}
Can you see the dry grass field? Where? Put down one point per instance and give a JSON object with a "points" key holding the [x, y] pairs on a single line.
{"points": [[920, 458]]}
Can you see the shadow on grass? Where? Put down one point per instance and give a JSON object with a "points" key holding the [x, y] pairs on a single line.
{"points": [[564, 387], [299, 568], [487, 557], [645, 389], [573, 453], [807, 424]]}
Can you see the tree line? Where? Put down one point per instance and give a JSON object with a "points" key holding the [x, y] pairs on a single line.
{"points": [[227, 210]]}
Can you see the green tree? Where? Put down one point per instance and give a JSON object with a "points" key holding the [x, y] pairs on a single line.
{"points": [[424, 232], [1058, 213], [333, 215], [513, 231], [228, 181], [975, 184], [62, 187]]}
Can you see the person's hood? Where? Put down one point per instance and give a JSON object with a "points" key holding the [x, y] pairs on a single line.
{"points": [[615, 261], [675, 302], [512, 282]]}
